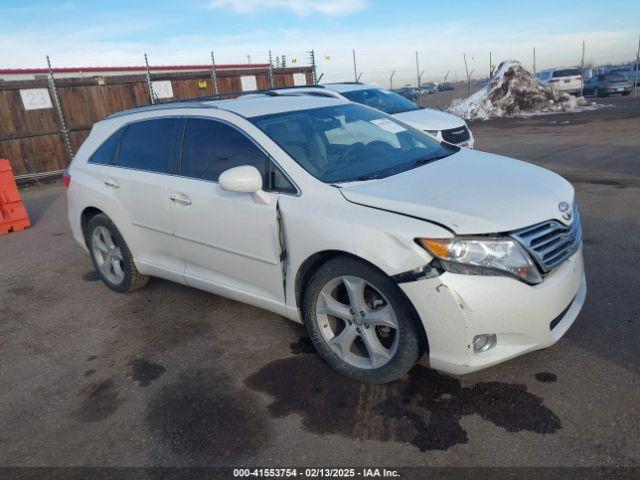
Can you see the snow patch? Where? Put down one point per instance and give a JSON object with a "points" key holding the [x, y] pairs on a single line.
{"points": [[514, 91]]}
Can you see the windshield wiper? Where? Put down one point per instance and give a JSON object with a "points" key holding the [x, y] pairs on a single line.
{"points": [[363, 178], [425, 160]]}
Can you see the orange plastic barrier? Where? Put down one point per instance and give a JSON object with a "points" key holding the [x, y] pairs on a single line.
{"points": [[13, 215]]}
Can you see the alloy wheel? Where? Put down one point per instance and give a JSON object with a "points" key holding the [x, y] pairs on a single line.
{"points": [[107, 254], [358, 323]]}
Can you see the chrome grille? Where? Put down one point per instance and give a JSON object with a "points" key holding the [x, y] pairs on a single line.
{"points": [[551, 242]]}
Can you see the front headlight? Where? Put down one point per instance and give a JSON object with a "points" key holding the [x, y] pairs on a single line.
{"points": [[433, 133], [483, 257]]}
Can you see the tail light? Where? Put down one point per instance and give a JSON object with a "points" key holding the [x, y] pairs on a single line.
{"points": [[578, 78], [66, 178]]}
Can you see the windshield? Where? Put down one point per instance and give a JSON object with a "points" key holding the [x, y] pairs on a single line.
{"points": [[615, 77], [347, 143], [569, 72], [384, 100]]}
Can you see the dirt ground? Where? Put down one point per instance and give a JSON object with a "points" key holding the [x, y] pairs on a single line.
{"points": [[173, 376]]}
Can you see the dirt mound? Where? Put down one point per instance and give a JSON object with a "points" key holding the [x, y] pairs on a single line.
{"points": [[514, 91]]}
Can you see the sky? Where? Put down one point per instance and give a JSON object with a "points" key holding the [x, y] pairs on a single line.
{"points": [[385, 34]]}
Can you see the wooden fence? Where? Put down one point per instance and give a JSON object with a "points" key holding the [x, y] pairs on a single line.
{"points": [[33, 139]]}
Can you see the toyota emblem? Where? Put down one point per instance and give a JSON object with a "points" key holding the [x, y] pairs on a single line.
{"points": [[565, 210]]}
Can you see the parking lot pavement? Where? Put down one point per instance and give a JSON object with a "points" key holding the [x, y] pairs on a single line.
{"points": [[174, 376]]}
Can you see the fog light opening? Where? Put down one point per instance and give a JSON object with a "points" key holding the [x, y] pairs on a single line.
{"points": [[482, 343]]}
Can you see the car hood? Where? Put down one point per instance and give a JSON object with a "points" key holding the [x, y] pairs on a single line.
{"points": [[429, 119], [469, 192]]}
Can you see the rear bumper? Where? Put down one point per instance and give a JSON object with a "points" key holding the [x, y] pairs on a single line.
{"points": [[572, 88], [614, 90], [454, 308]]}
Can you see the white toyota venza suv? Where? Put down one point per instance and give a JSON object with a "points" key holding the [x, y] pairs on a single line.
{"points": [[384, 242]]}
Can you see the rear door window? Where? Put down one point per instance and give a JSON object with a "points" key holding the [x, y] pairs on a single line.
{"points": [[211, 147], [148, 145]]}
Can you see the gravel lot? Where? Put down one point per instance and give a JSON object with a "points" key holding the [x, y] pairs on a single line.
{"points": [[174, 376]]}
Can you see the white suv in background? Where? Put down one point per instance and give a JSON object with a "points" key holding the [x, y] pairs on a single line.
{"points": [[440, 125], [565, 80], [384, 242]]}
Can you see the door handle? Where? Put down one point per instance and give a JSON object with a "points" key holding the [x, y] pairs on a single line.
{"points": [[110, 182], [180, 199]]}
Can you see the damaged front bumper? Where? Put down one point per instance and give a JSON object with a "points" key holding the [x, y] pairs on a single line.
{"points": [[454, 308]]}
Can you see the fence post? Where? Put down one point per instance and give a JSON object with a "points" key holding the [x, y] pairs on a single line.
{"points": [[63, 124], [149, 84], [214, 76], [271, 70], [314, 74]]}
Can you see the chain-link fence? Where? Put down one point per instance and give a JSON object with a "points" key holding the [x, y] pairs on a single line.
{"points": [[46, 114]]}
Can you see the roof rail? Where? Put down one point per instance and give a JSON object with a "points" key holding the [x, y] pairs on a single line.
{"points": [[344, 83], [161, 106], [198, 102]]}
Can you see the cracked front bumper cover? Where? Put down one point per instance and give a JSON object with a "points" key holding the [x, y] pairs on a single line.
{"points": [[455, 307]]}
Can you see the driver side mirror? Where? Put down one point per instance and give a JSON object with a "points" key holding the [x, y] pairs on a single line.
{"points": [[244, 179]]}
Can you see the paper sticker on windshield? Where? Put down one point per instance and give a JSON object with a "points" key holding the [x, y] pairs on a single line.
{"points": [[388, 125]]}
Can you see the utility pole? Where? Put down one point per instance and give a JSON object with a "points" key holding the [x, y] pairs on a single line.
{"points": [[391, 80], [635, 86], [582, 71], [249, 59], [214, 76], [534, 60], [490, 66], [149, 84], [418, 75], [464, 55], [355, 67], [63, 124]]}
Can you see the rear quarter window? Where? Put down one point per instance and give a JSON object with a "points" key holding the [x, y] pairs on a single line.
{"points": [[149, 144], [106, 153]]}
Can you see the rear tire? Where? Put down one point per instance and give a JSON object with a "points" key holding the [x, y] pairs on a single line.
{"points": [[111, 257], [360, 322]]}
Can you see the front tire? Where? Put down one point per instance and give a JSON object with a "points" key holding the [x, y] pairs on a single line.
{"points": [[111, 257], [360, 322]]}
